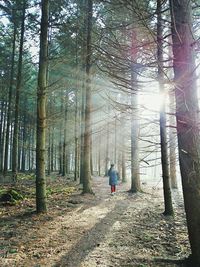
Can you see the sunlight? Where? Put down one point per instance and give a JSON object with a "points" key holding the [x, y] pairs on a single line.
{"points": [[151, 99]]}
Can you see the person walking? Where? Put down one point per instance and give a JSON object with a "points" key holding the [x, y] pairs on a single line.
{"points": [[113, 178]]}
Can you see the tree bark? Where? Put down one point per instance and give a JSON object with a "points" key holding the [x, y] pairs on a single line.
{"points": [[187, 117], [163, 132], [1, 136], [83, 18], [18, 88], [172, 142], [41, 205], [64, 161], [8, 122], [106, 148], [76, 143], [135, 169], [135, 127], [2, 133], [87, 134]]}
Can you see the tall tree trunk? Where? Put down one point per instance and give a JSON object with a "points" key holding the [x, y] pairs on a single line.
{"points": [[76, 139], [3, 122], [135, 130], [83, 16], [115, 144], [60, 154], [24, 148], [106, 149], [11, 145], [49, 152], [52, 149], [163, 132], [99, 153], [9, 101], [91, 156], [135, 127], [172, 141], [61, 139], [17, 98], [1, 133], [64, 170], [187, 117], [41, 204], [87, 134], [123, 147]]}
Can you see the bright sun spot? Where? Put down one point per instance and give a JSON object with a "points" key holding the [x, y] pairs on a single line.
{"points": [[151, 101]]}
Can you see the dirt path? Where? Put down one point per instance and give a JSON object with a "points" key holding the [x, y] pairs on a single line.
{"points": [[101, 230]]}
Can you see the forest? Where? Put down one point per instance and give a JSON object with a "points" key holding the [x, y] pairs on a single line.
{"points": [[93, 91]]}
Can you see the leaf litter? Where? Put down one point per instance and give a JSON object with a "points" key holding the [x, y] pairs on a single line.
{"points": [[92, 230]]}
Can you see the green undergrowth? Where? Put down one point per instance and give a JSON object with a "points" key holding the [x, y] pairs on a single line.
{"points": [[60, 190], [11, 196]]}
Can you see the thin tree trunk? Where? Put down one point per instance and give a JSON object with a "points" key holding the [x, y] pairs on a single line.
{"points": [[17, 98], [163, 132], [60, 155], [115, 145], [83, 89], [187, 117], [172, 142], [91, 156], [41, 205], [135, 130], [87, 134], [99, 154], [52, 150], [49, 151], [24, 148], [10, 101], [1, 134], [76, 143], [135, 127], [123, 147], [11, 145], [106, 149], [64, 171], [4, 116]]}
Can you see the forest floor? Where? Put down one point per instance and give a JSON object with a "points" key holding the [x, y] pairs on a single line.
{"points": [[102, 230]]}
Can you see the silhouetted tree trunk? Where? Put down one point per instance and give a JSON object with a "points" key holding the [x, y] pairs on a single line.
{"points": [[163, 132], [83, 17], [135, 127], [41, 204], [172, 141], [187, 117], [135, 169], [87, 134], [2, 128], [91, 156], [17, 97], [99, 153], [76, 143], [123, 148], [8, 122], [64, 160], [107, 148]]}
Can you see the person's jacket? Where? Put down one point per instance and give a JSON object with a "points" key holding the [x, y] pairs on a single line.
{"points": [[113, 176]]}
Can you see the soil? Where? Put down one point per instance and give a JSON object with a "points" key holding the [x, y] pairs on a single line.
{"points": [[94, 230]]}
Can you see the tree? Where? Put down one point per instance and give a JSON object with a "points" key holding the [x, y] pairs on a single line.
{"points": [[87, 134], [41, 111], [187, 117], [135, 126], [8, 121], [172, 141], [17, 97], [163, 132]]}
